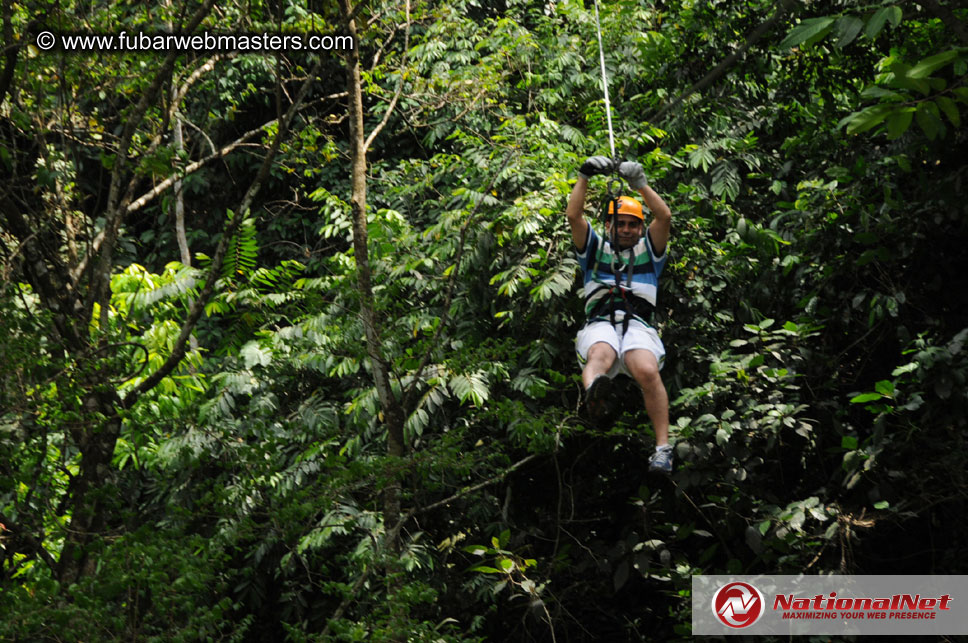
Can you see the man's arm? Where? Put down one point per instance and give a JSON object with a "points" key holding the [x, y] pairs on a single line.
{"points": [[661, 224], [575, 210], [592, 166]]}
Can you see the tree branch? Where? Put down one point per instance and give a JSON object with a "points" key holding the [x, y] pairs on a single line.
{"points": [[33, 545], [948, 18], [116, 206], [351, 16], [191, 168], [198, 306], [394, 531], [782, 7], [393, 413], [42, 264], [451, 281], [10, 54], [399, 90], [193, 77], [466, 491], [78, 272]]}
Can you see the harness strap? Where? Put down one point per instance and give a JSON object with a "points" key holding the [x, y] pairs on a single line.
{"points": [[629, 301], [633, 305], [619, 296]]}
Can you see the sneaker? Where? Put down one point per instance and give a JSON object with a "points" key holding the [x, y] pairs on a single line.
{"points": [[661, 460], [596, 399]]}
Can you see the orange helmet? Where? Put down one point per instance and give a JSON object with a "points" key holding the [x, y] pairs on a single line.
{"points": [[627, 205]]}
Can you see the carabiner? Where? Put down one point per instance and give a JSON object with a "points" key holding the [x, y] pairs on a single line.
{"points": [[614, 188]]}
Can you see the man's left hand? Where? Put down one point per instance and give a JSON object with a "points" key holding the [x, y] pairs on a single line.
{"points": [[634, 174]]}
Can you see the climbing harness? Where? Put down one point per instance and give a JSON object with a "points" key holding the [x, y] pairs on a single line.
{"points": [[619, 295]]}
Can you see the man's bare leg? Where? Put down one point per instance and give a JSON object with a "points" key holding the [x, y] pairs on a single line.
{"points": [[601, 356], [644, 367]]}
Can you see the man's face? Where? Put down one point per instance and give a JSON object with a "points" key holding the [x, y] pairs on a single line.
{"points": [[629, 230]]}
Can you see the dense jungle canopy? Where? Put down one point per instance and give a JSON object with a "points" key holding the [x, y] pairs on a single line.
{"points": [[287, 336]]}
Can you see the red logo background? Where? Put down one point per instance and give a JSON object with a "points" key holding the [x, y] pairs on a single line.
{"points": [[738, 605]]}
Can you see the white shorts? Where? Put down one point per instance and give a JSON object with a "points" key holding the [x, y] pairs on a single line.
{"points": [[638, 335]]}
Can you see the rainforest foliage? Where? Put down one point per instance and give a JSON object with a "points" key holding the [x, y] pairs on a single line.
{"points": [[287, 337]]}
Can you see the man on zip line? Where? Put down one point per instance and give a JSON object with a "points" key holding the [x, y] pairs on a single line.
{"points": [[621, 277]]}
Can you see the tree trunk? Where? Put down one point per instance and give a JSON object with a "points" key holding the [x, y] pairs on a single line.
{"points": [[179, 199], [178, 140], [93, 489], [92, 494], [393, 412]]}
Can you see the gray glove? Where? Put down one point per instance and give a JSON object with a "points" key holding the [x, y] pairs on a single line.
{"points": [[634, 174], [595, 165]]}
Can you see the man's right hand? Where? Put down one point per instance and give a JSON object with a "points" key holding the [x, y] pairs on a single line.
{"points": [[595, 165]]}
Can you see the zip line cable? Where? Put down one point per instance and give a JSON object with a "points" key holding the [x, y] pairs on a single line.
{"points": [[781, 9], [613, 186], [608, 105]]}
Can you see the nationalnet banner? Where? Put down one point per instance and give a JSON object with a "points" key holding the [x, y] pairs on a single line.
{"points": [[851, 605]]}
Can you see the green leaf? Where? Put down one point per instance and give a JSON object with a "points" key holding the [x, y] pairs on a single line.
{"points": [[885, 388], [846, 30], [865, 397], [876, 22], [469, 387], [950, 110], [701, 157], [819, 514], [924, 68], [899, 121], [903, 80], [848, 442], [865, 119], [810, 29], [254, 355], [725, 181], [929, 119], [878, 92], [883, 504], [907, 368], [484, 569], [894, 14]]}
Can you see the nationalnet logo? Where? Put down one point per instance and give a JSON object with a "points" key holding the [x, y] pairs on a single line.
{"points": [[896, 607], [833, 604], [738, 605]]}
